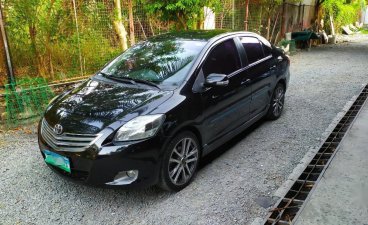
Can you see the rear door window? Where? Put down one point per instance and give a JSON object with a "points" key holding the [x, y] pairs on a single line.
{"points": [[253, 49], [223, 59]]}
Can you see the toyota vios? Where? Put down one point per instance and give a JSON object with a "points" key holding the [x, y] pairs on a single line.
{"points": [[152, 113]]}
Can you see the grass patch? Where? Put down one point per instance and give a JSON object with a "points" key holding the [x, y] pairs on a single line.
{"points": [[364, 31]]}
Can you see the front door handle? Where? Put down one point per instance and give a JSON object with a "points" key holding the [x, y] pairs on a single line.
{"points": [[273, 67], [246, 82]]}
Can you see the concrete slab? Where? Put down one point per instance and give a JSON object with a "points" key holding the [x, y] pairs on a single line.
{"points": [[341, 196]]}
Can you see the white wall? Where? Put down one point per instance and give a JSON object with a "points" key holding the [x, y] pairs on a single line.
{"points": [[209, 19]]}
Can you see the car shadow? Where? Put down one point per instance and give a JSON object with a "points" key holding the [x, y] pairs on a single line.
{"points": [[229, 144]]}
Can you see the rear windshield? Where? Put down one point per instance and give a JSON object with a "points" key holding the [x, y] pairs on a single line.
{"points": [[164, 62]]}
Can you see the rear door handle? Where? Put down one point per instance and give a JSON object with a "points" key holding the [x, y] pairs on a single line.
{"points": [[246, 82], [273, 67]]}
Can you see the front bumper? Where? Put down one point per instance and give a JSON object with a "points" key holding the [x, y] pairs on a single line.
{"points": [[98, 166]]}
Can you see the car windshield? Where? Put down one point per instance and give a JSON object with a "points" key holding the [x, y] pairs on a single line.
{"points": [[163, 62]]}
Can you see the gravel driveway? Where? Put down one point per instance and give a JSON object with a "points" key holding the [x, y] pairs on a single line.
{"points": [[235, 183]]}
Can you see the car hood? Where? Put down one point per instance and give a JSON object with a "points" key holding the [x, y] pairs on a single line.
{"points": [[95, 104]]}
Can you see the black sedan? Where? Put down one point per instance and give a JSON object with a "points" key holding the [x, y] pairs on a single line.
{"points": [[152, 113]]}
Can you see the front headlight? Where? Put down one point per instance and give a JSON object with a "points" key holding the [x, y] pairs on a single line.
{"points": [[141, 127]]}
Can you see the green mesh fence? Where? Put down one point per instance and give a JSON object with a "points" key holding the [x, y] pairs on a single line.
{"points": [[26, 100], [292, 46]]}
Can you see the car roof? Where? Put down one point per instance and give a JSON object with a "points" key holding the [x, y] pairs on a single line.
{"points": [[196, 35]]}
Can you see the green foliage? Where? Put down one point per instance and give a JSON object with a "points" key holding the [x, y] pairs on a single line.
{"points": [[44, 40], [343, 13], [182, 13], [100, 45]]}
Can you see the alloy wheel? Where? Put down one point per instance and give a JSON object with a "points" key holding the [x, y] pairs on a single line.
{"points": [[278, 101], [183, 161]]}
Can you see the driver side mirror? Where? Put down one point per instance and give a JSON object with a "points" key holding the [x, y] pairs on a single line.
{"points": [[216, 80]]}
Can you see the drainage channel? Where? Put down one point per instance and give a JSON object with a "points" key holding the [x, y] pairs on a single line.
{"points": [[288, 208]]}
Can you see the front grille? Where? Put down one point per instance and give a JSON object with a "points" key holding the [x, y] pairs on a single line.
{"points": [[67, 142]]}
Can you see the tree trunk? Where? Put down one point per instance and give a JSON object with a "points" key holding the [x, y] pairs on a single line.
{"points": [[48, 43], [274, 27], [246, 15], [260, 20], [222, 20], [151, 28], [32, 34], [140, 24], [283, 19], [200, 23], [131, 23], [316, 9], [268, 26], [332, 25], [200, 20], [182, 21], [119, 26]]}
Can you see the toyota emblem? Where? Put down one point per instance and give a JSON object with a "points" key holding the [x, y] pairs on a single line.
{"points": [[58, 129]]}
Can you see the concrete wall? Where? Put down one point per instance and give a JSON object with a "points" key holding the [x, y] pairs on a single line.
{"points": [[299, 16], [304, 2], [309, 2]]}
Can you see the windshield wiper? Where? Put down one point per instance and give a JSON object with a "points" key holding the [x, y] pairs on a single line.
{"points": [[120, 79], [129, 80], [150, 83]]}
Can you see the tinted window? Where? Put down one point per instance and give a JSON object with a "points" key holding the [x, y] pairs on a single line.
{"points": [[253, 49], [160, 61], [223, 59], [267, 47], [266, 50]]}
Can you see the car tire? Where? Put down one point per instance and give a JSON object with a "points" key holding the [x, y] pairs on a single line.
{"points": [[277, 102], [180, 162]]}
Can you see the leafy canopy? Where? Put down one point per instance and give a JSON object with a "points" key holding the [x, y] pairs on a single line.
{"points": [[342, 12], [182, 12]]}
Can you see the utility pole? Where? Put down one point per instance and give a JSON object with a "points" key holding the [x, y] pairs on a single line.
{"points": [[9, 65]]}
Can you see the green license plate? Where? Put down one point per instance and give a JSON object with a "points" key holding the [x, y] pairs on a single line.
{"points": [[57, 160]]}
